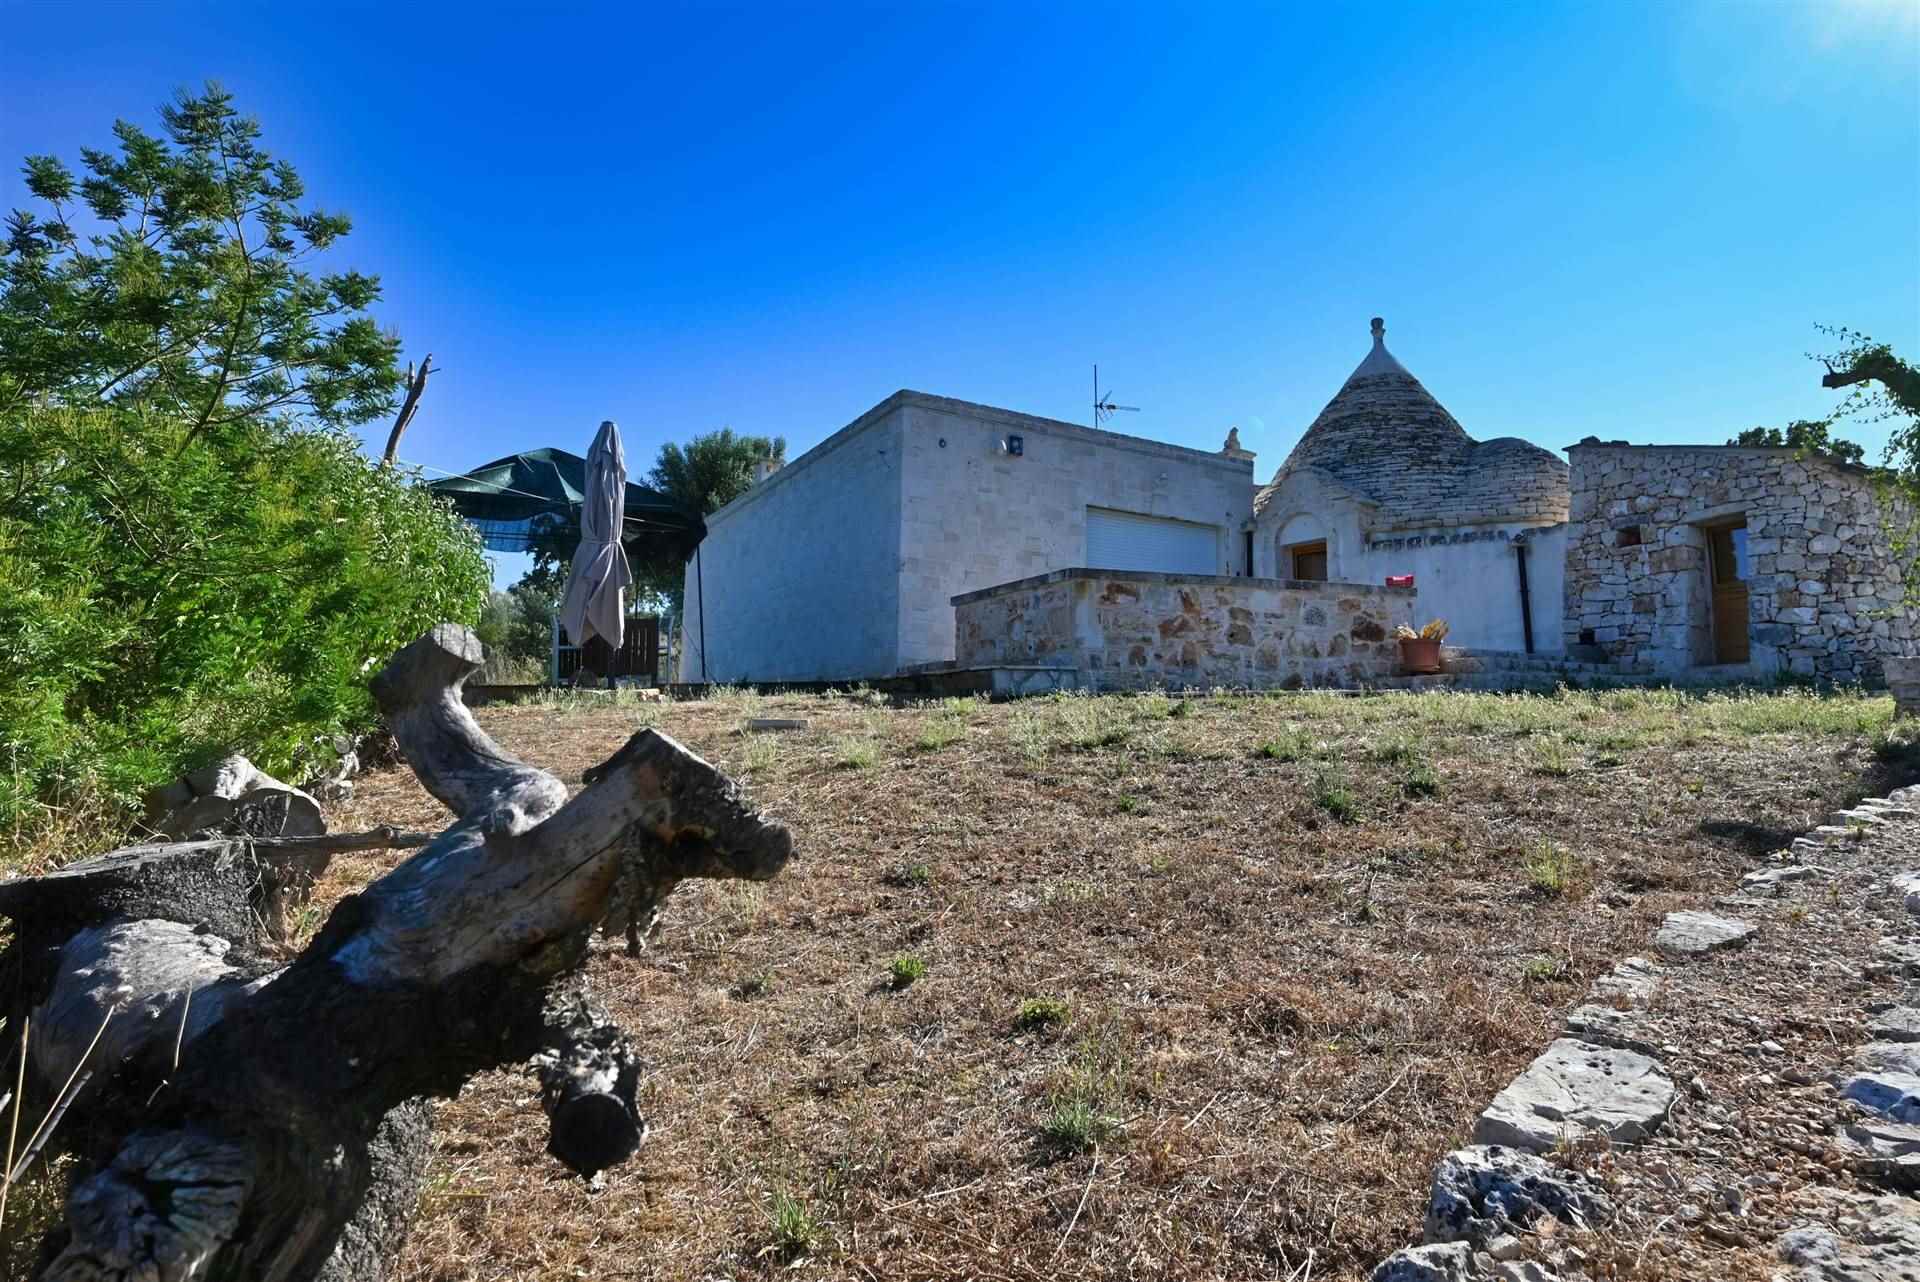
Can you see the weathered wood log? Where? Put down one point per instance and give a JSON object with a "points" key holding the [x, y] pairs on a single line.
{"points": [[588, 1076], [255, 1156], [232, 795]]}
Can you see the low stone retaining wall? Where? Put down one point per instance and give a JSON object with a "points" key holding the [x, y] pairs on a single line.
{"points": [[1137, 630]]}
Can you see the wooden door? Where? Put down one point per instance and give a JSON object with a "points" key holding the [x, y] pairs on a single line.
{"points": [[1310, 561], [1727, 554]]}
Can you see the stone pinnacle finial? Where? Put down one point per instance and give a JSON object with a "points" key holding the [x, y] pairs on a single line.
{"points": [[1379, 329]]}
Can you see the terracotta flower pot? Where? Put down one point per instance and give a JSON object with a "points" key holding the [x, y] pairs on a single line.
{"points": [[1419, 656], [1903, 678]]}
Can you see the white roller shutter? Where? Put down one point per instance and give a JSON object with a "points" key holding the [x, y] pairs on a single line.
{"points": [[1129, 541]]}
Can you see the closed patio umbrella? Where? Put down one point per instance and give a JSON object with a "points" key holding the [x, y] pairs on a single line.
{"points": [[595, 603]]}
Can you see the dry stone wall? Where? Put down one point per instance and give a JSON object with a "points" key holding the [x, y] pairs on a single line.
{"points": [[1140, 630], [1824, 596]]}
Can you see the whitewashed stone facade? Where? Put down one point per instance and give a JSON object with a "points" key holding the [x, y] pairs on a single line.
{"points": [[1141, 631], [1824, 596], [1393, 485], [842, 565]]}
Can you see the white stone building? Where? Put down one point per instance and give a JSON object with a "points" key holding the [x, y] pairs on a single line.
{"points": [[843, 564], [1386, 483], [848, 563]]}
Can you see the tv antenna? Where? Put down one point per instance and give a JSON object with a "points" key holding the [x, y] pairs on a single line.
{"points": [[1103, 406]]}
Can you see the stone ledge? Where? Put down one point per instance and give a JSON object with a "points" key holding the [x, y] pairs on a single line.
{"points": [[1183, 580]]}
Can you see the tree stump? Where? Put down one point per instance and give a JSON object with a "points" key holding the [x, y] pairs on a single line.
{"points": [[269, 1124]]}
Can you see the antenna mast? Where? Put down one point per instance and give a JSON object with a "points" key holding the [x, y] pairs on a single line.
{"points": [[1103, 406]]}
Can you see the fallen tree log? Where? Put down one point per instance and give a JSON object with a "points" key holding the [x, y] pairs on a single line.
{"points": [[262, 1150]]}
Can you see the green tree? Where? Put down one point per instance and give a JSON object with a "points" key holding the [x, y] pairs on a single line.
{"points": [[195, 554], [175, 276], [1884, 388]]}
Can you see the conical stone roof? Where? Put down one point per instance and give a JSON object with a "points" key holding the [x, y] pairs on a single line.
{"points": [[1384, 437]]}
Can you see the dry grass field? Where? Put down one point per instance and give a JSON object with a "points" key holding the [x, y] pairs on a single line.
{"points": [[1111, 987], [1114, 987]]}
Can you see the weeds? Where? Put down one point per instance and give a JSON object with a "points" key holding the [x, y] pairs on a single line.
{"points": [[906, 970], [1041, 1012], [1552, 757], [939, 733], [795, 1231], [1079, 1110], [1550, 869], [908, 876], [763, 750], [754, 986], [1293, 743], [1331, 794], [1421, 780], [857, 753]]}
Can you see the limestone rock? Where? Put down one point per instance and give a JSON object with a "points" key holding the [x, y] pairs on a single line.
{"points": [[1487, 1192], [1888, 1092], [1899, 955], [1447, 1262], [1693, 933], [1767, 881], [1576, 1089], [1605, 1026], [1900, 1024], [1634, 980], [1886, 1152], [1890, 1056], [1882, 1244]]}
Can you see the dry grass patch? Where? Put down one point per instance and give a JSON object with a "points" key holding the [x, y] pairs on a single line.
{"points": [[1273, 1013]]}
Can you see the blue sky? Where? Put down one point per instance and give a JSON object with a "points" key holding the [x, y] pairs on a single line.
{"points": [[1611, 218]]}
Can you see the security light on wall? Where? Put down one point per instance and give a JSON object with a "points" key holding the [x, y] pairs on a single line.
{"points": [[1013, 443]]}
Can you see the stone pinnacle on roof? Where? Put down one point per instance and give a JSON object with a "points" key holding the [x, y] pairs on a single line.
{"points": [[1379, 360]]}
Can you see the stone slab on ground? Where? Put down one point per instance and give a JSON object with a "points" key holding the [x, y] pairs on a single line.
{"points": [[1899, 954], [1575, 1090], [1887, 1092], [1692, 933], [1898, 1024], [1605, 1026], [1485, 1193], [1768, 881], [1890, 1057], [1877, 1239], [1634, 980], [1446, 1262]]}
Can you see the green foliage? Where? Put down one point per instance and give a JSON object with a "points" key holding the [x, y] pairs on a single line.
{"points": [[195, 556], [1814, 436], [795, 1231], [1551, 869], [164, 600], [1331, 794], [518, 624], [1884, 388], [857, 753], [1041, 1012], [906, 969], [174, 276]]}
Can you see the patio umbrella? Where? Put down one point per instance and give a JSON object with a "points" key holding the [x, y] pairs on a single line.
{"points": [[595, 603]]}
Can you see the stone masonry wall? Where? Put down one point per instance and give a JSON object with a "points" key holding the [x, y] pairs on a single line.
{"points": [[1137, 631], [1823, 586]]}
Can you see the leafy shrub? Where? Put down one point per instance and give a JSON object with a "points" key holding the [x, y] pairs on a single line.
{"points": [[164, 601]]}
